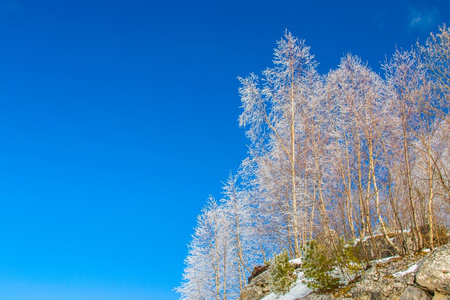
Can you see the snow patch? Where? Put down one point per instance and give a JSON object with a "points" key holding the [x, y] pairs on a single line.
{"points": [[296, 260], [384, 260], [411, 269], [298, 291]]}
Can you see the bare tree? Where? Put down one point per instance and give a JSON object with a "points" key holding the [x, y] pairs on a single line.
{"points": [[435, 56], [272, 114], [208, 265]]}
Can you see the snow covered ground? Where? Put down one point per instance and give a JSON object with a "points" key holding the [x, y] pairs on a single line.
{"points": [[299, 290]]}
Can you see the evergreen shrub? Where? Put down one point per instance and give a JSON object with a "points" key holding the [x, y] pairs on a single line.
{"points": [[324, 267], [317, 267], [282, 274]]}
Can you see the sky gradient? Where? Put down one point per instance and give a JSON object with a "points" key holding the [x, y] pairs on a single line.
{"points": [[119, 118]]}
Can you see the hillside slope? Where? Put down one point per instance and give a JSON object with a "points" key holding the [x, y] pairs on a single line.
{"points": [[425, 275]]}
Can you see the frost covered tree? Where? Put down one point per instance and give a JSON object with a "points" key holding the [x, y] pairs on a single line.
{"points": [[404, 76], [198, 275], [435, 56], [273, 115], [236, 207], [360, 102], [209, 263], [421, 105], [267, 223], [244, 237], [349, 155]]}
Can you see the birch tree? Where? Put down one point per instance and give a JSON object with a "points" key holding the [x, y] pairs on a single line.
{"points": [[244, 237], [271, 112], [360, 101], [435, 56], [209, 262]]}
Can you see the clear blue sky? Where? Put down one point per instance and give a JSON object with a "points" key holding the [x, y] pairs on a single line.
{"points": [[119, 118]]}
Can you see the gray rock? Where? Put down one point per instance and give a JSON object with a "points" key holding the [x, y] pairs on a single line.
{"points": [[414, 293], [367, 296], [408, 278], [371, 274], [397, 288], [433, 272], [439, 296], [257, 289], [314, 296]]}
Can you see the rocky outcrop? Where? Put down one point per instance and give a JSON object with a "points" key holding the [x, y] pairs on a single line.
{"points": [[412, 292], [256, 271], [407, 278], [433, 273], [414, 277], [257, 289]]}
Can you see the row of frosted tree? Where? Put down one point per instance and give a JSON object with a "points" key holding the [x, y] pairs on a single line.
{"points": [[350, 153]]}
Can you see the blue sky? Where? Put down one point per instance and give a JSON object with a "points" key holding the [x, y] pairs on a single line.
{"points": [[119, 118]]}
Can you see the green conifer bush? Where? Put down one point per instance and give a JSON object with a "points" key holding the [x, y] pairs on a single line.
{"points": [[282, 274], [324, 267], [317, 268]]}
